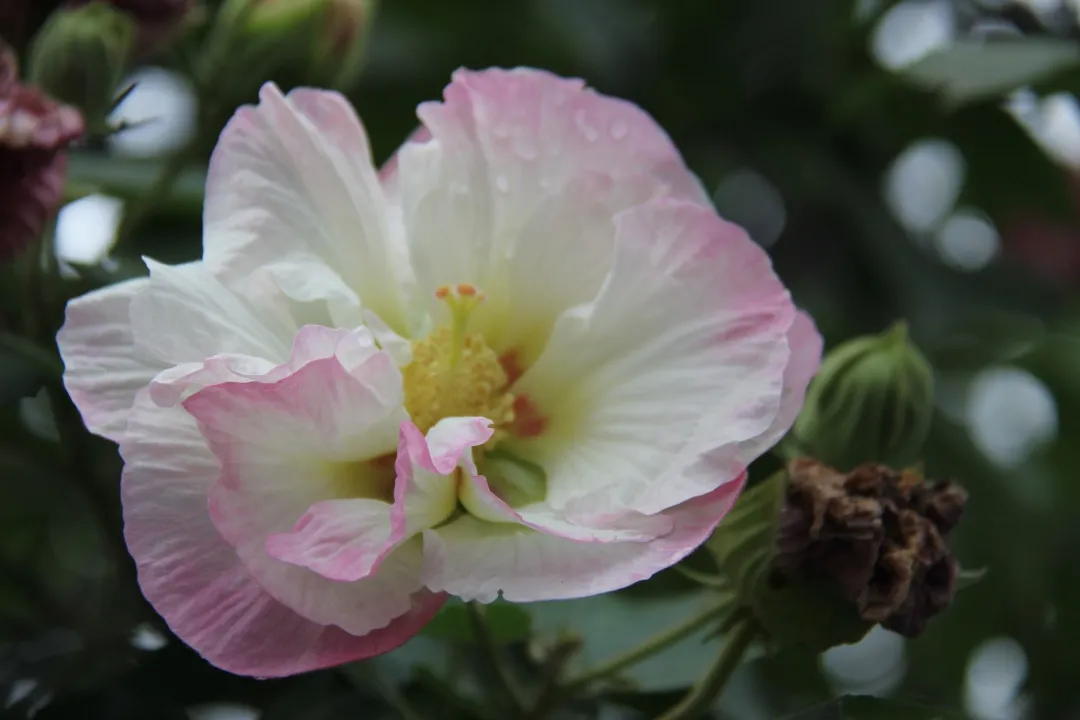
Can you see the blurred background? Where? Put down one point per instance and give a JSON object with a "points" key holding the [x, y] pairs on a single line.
{"points": [[913, 159]]}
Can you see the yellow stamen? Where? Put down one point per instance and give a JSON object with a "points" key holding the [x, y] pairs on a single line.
{"points": [[454, 373]]}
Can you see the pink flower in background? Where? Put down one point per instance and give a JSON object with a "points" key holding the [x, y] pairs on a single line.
{"points": [[526, 359], [34, 133]]}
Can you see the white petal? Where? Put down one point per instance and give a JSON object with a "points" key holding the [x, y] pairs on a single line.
{"points": [[682, 353], [102, 371], [186, 315], [515, 168], [293, 176], [478, 560]]}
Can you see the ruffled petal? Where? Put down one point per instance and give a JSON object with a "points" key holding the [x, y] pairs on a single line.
{"points": [[521, 166], [479, 560], [102, 371], [195, 579], [312, 342], [349, 539], [806, 345], [292, 178], [185, 314], [288, 444]]}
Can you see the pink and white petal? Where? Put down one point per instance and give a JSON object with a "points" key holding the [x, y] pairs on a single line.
{"points": [[347, 539], [293, 175], [322, 410], [185, 314], [102, 370], [312, 342], [424, 495], [359, 607], [399, 348], [195, 580], [806, 345], [477, 560], [682, 353], [506, 149], [308, 291], [450, 441], [560, 258], [343, 539], [478, 498], [281, 443], [538, 132]]}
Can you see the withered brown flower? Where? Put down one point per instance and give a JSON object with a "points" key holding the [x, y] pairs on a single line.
{"points": [[34, 132], [880, 534]]}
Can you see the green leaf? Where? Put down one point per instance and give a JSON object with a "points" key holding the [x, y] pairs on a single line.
{"points": [[610, 625], [508, 622], [971, 70], [861, 707]]}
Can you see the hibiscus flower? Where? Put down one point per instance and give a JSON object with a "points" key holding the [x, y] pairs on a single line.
{"points": [[526, 359]]}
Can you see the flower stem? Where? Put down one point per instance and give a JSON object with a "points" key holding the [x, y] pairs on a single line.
{"points": [[711, 684], [653, 645], [497, 669]]}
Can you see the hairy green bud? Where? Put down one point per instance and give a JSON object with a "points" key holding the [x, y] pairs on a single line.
{"points": [[80, 56], [296, 42], [871, 402]]}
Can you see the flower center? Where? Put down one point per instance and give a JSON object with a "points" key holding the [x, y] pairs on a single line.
{"points": [[454, 373]]}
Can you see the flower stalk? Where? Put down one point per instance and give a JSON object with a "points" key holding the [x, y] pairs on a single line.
{"points": [[650, 647], [711, 684], [502, 681]]}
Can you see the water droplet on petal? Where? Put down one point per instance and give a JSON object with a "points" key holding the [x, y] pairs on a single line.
{"points": [[502, 183], [619, 130], [582, 121]]}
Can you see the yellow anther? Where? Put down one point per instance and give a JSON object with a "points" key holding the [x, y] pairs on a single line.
{"points": [[454, 373]]}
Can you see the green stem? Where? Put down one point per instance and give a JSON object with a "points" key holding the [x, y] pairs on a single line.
{"points": [[711, 684], [650, 647], [497, 669]]}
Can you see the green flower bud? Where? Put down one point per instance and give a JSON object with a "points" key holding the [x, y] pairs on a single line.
{"points": [[338, 52], [871, 402], [296, 42], [79, 57]]}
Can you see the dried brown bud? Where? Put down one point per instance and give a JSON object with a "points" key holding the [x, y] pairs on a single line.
{"points": [[34, 130], [879, 534]]}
